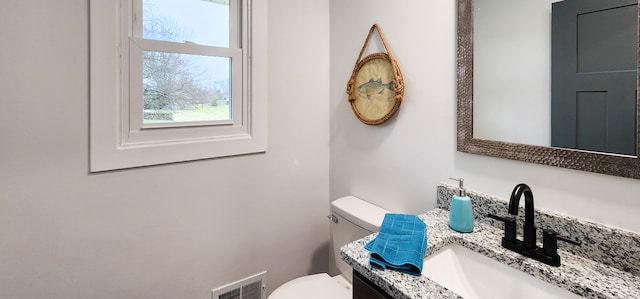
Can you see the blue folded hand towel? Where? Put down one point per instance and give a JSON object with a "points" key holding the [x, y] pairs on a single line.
{"points": [[400, 245]]}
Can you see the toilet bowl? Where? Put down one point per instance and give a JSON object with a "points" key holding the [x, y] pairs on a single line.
{"points": [[351, 219], [316, 286]]}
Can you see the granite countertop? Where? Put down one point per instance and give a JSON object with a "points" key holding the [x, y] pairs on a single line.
{"points": [[577, 274]]}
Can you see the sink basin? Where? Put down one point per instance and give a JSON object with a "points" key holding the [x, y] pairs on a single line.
{"points": [[473, 275]]}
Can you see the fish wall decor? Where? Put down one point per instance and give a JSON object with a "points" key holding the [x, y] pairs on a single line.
{"points": [[376, 86]]}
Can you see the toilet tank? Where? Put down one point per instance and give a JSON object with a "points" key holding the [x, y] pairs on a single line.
{"points": [[356, 219]]}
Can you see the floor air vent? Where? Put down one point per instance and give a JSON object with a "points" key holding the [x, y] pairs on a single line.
{"points": [[253, 287]]}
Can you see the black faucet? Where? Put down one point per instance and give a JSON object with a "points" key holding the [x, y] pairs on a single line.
{"points": [[528, 247], [529, 229]]}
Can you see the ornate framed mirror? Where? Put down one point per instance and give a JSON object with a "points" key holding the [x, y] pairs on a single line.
{"points": [[585, 159]]}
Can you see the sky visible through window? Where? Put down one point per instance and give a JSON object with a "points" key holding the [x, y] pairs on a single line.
{"points": [[202, 22], [198, 21]]}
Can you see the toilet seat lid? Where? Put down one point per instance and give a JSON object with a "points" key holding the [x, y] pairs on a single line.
{"points": [[317, 286]]}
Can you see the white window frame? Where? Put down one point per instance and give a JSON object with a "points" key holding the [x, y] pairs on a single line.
{"points": [[118, 137]]}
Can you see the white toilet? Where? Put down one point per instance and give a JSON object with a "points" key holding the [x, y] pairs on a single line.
{"points": [[351, 219]]}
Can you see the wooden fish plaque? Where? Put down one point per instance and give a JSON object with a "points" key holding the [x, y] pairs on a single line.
{"points": [[376, 86]]}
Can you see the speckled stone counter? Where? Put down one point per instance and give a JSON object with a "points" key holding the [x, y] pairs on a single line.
{"points": [[593, 270]]}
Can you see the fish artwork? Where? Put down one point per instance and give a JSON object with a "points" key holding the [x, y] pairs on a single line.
{"points": [[374, 87]]}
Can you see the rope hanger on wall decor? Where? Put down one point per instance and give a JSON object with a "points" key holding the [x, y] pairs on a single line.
{"points": [[376, 86]]}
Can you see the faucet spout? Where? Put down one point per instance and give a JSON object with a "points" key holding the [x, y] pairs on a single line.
{"points": [[529, 229], [514, 202]]}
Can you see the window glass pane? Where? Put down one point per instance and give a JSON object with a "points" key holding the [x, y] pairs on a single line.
{"points": [[182, 87], [204, 22]]}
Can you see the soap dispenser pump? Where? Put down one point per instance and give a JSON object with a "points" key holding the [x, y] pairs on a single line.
{"points": [[461, 210]]}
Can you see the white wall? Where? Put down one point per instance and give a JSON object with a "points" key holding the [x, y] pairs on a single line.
{"points": [[398, 165], [173, 231]]}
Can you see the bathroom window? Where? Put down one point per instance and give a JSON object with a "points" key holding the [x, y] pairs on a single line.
{"points": [[171, 81]]}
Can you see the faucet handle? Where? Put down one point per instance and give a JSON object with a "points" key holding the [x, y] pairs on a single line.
{"points": [[563, 239], [550, 242], [509, 226]]}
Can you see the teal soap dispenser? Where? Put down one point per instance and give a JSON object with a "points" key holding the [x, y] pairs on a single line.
{"points": [[461, 210]]}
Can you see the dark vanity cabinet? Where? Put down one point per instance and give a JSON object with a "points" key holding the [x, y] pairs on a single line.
{"points": [[363, 288]]}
